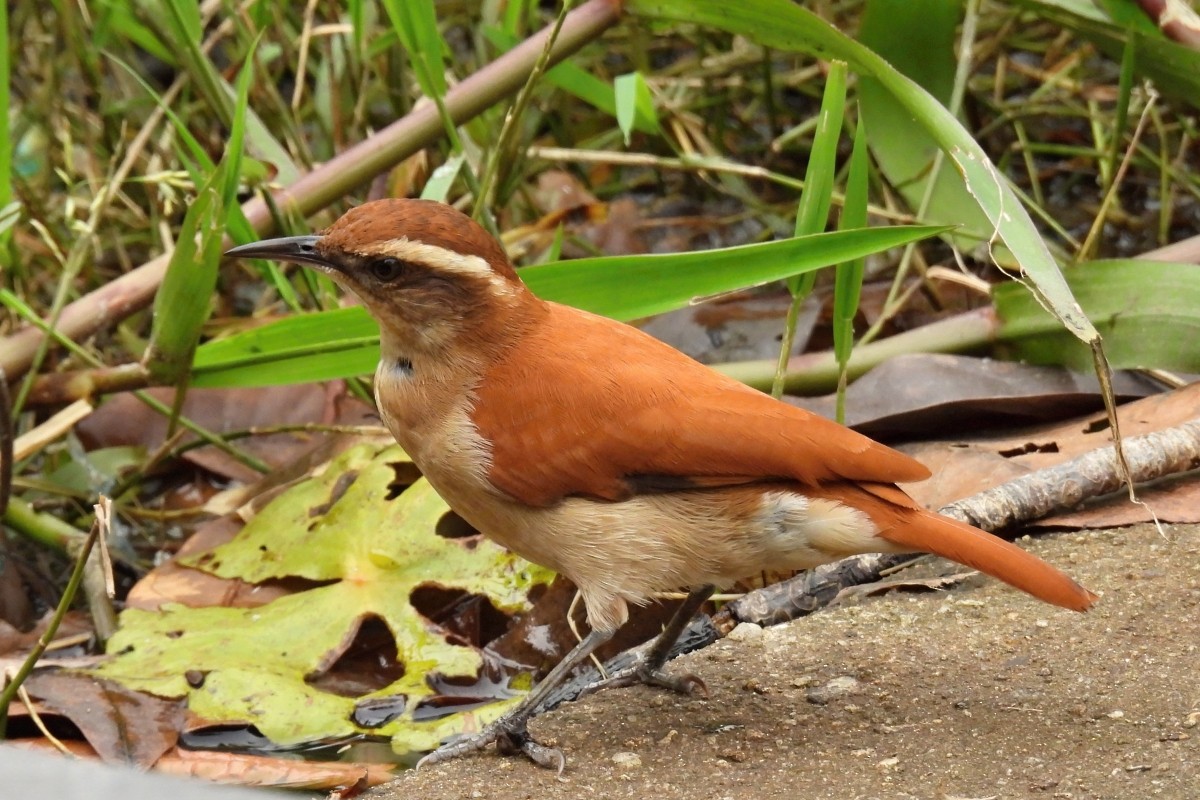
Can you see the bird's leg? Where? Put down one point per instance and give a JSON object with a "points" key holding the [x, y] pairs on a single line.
{"points": [[509, 731], [649, 667]]}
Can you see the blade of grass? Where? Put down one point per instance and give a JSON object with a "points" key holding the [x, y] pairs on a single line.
{"points": [[813, 212], [577, 81], [184, 301], [633, 100], [848, 276], [343, 342]]}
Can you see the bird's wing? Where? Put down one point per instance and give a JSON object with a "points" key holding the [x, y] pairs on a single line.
{"points": [[586, 406]]}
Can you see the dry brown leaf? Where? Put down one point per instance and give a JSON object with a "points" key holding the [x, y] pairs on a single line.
{"points": [[123, 726]]}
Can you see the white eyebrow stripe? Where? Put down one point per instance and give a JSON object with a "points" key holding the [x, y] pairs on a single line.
{"points": [[438, 258]]}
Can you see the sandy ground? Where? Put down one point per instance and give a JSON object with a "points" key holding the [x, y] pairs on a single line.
{"points": [[976, 692]]}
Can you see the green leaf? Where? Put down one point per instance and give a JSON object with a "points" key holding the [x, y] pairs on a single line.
{"points": [[813, 212], [343, 343], [415, 22], [631, 287], [1127, 14], [115, 21], [182, 302], [440, 182], [369, 554], [918, 39], [848, 277], [784, 25], [231, 167], [1147, 311], [633, 102]]}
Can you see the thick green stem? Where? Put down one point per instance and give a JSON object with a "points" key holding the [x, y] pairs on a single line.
{"points": [[46, 530], [815, 373]]}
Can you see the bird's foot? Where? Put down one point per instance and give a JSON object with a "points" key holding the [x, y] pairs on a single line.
{"points": [[511, 737], [521, 742], [642, 672]]}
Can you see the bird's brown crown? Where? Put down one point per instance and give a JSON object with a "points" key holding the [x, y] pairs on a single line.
{"points": [[370, 229]]}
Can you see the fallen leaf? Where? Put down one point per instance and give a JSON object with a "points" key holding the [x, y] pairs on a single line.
{"points": [[122, 725]]}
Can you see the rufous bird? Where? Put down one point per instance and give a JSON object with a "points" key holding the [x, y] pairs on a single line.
{"points": [[589, 447]]}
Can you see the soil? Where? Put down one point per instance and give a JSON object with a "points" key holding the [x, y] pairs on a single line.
{"points": [[974, 692]]}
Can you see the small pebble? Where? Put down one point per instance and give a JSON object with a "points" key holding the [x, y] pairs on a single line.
{"points": [[834, 689], [627, 759], [745, 632]]}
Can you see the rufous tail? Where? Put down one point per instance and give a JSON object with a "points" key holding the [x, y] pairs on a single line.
{"points": [[910, 528]]}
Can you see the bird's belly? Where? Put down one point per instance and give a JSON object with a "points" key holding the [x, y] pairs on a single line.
{"points": [[625, 552]]}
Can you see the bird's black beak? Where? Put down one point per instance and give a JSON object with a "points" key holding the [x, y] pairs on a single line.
{"points": [[297, 249]]}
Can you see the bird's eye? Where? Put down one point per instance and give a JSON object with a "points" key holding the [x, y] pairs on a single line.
{"points": [[386, 269]]}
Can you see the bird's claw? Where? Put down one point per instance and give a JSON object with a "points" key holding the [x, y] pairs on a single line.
{"points": [[511, 737], [545, 757]]}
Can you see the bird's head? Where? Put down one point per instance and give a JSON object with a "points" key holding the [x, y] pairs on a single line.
{"points": [[428, 273]]}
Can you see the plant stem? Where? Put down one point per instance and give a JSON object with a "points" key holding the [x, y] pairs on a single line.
{"points": [[814, 373]]}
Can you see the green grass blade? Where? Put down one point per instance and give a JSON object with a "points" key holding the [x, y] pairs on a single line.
{"points": [[415, 22], [848, 276], [813, 212], [578, 82], [634, 102], [440, 182], [343, 343], [183, 303]]}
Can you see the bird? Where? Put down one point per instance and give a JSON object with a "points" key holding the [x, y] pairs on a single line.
{"points": [[587, 446]]}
